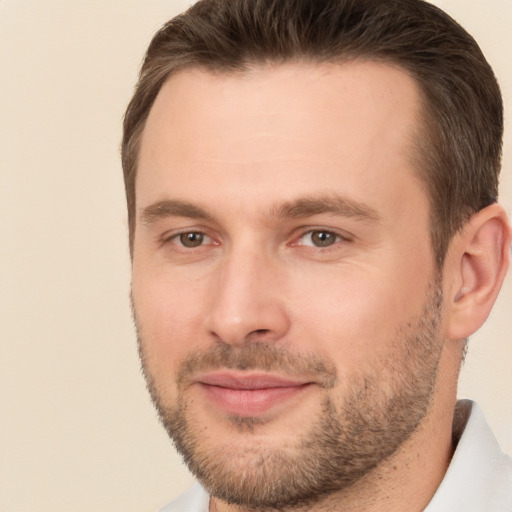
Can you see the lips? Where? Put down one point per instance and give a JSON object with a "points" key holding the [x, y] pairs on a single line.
{"points": [[249, 394]]}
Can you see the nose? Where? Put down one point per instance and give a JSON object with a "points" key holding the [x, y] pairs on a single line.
{"points": [[249, 300]]}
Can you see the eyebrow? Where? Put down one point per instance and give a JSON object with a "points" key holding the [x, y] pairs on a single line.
{"points": [[172, 208], [333, 204]]}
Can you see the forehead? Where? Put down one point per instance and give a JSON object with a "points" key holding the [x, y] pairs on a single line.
{"points": [[308, 125]]}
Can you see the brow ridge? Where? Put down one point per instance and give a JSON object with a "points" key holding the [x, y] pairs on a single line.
{"points": [[333, 204]]}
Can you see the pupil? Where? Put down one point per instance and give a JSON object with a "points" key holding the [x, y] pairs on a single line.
{"points": [[191, 239]]}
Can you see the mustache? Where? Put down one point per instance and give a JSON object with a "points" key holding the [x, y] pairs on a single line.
{"points": [[257, 356]]}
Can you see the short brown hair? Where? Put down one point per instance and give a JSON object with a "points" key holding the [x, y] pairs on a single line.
{"points": [[459, 146]]}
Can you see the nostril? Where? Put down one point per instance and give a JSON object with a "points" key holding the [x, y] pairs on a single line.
{"points": [[258, 335], [261, 331]]}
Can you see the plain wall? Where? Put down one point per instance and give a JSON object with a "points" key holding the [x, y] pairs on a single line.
{"points": [[77, 430]]}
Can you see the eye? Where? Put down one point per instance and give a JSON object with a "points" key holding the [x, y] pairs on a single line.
{"points": [[319, 238], [191, 239]]}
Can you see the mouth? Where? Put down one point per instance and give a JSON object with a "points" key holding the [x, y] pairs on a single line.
{"points": [[249, 394]]}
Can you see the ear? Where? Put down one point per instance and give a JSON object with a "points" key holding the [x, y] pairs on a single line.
{"points": [[476, 265]]}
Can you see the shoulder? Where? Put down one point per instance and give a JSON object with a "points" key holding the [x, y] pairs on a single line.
{"points": [[194, 499]]}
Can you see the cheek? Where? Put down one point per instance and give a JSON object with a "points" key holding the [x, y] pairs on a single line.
{"points": [[355, 316], [169, 318]]}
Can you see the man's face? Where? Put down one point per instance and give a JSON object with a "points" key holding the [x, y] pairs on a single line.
{"points": [[283, 281]]}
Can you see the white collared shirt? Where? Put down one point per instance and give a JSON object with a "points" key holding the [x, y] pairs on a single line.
{"points": [[479, 478]]}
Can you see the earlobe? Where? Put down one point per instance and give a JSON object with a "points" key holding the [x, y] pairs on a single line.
{"points": [[478, 264]]}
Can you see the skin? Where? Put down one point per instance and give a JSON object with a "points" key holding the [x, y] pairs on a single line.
{"points": [[271, 138]]}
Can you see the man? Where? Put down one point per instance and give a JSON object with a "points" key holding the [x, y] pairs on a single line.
{"points": [[314, 231]]}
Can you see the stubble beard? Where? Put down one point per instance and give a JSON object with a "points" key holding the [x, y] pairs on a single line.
{"points": [[351, 436]]}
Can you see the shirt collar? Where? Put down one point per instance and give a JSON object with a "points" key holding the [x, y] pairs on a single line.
{"points": [[480, 475]]}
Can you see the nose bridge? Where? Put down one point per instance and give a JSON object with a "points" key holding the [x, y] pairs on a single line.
{"points": [[248, 302]]}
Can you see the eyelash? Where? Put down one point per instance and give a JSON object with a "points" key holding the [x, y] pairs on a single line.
{"points": [[176, 239], [330, 238]]}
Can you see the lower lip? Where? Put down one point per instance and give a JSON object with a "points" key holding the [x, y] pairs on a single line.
{"points": [[251, 402]]}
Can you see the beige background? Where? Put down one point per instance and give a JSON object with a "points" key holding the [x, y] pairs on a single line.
{"points": [[77, 431]]}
